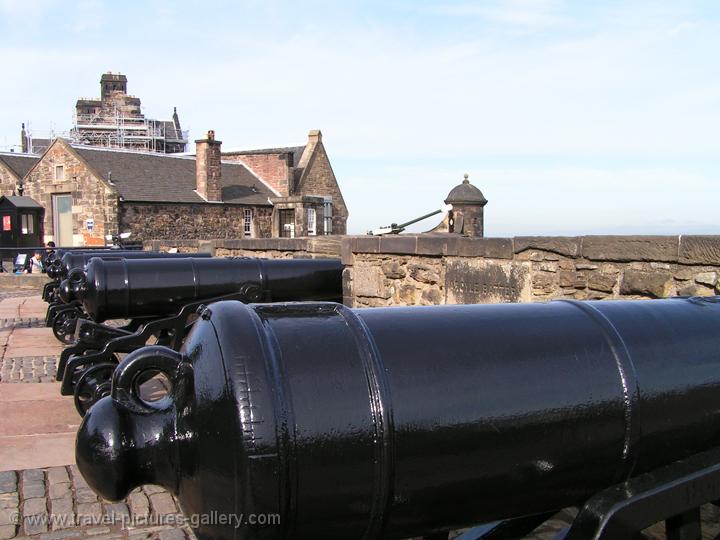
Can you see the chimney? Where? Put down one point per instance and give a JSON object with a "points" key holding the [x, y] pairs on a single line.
{"points": [[23, 140], [208, 169], [314, 138]]}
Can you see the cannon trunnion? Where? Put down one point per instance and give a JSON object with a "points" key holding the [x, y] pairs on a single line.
{"points": [[397, 422]]}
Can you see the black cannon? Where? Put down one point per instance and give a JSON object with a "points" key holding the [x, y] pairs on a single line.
{"points": [[399, 422], [53, 265], [62, 309], [161, 297]]}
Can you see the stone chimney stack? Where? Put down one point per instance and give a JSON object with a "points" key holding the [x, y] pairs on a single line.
{"points": [[314, 138], [23, 140], [208, 169]]}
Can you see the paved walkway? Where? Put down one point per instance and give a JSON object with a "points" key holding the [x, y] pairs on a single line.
{"points": [[37, 426], [42, 494]]}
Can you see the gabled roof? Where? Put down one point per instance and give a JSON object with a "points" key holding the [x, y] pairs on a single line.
{"points": [[20, 202], [150, 177], [20, 164]]}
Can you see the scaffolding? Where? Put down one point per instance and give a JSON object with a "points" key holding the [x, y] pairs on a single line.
{"points": [[129, 132]]}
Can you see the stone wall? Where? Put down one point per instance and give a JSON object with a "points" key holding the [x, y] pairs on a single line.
{"points": [[150, 221], [92, 197], [319, 180], [326, 247], [8, 180], [408, 270]]}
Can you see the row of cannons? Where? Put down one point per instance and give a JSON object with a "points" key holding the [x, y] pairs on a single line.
{"points": [[250, 394]]}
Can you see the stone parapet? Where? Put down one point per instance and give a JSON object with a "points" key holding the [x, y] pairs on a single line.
{"points": [[313, 247], [447, 269]]}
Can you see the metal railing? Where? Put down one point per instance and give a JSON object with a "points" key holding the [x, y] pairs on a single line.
{"points": [[9, 254]]}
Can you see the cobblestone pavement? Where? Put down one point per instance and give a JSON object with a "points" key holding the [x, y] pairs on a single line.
{"points": [[56, 503], [28, 369]]}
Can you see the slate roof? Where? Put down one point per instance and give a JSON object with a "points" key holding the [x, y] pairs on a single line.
{"points": [[147, 177], [21, 202], [171, 132], [20, 164]]}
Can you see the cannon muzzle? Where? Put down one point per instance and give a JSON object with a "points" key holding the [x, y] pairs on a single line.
{"points": [[397, 422], [73, 288]]}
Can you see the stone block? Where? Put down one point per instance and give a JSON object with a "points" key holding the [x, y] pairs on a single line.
{"points": [[568, 246], [694, 289], [162, 504], [424, 273], [489, 248], [33, 507], [369, 281], [630, 248], [89, 513], [707, 278], [700, 250], [436, 246], [598, 281], [398, 244], [139, 504], [33, 489], [407, 295], [8, 516], [7, 532], [393, 270], [59, 490], [637, 282], [366, 244], [432, 296], [62, 512], [61, 535], [480, 281], [85, 495], [9, 500], [117, 511], [346, 253], [171, 534], [33, 475], [8, 482]]}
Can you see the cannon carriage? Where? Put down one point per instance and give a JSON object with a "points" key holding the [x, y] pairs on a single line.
{"points": [[400, 422]]}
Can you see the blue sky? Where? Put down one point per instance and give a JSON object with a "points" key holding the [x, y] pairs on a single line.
{"points": [[572, 117]]}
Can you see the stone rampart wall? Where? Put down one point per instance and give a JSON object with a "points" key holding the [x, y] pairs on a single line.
{"points": [[443, 269]]}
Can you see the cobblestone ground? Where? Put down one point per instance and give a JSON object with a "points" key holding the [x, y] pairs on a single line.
{"points": [[28, 369], [56, 503]]}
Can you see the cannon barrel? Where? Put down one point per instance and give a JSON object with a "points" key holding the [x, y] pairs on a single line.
{"points": [[54, 266], [129, 288], [70, 261], [396, 422]]}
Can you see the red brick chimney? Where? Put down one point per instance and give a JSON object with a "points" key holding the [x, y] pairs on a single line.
{"points": [[208, 169]]}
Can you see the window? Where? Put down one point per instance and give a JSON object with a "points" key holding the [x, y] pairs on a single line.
{"points": [[59, 173], [327, 215], [247, 222], [27, 222], [312, 225]]}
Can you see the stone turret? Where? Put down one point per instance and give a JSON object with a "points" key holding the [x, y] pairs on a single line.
{"points": [[467, 216]]}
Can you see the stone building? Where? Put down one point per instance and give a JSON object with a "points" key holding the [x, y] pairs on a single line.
{"points": [[13, 167], [116, 121], [306, 184], [91, 192]]}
